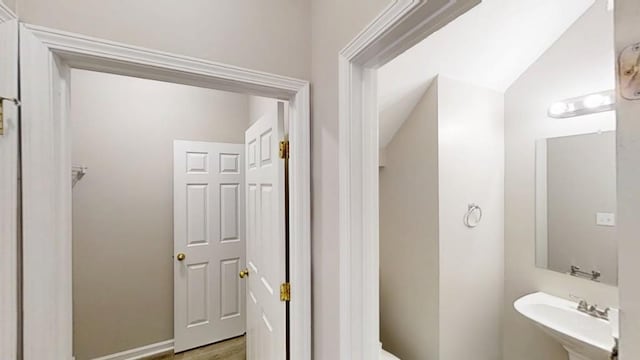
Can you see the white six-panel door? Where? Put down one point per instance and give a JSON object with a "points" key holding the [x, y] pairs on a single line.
{"points": [[209, 243], [265, 238]]}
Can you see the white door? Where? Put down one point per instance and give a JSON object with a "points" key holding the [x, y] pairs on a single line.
{"points": [[209, 242], [8, 188], [265, 238]]}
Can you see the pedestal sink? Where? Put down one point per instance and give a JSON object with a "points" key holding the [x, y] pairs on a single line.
{"points": [[583, 336]]}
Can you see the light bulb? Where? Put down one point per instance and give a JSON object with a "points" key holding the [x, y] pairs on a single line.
{"points": [[594, 101], [558, 108]]}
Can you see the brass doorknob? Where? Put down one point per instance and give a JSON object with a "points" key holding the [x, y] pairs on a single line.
{"points": [[244, 273], [181, 256]]}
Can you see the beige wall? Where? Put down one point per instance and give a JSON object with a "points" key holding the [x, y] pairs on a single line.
{"points": [[627, 18], [11, 4], [571, 67], [259, 106], [272, 36], [123, 131], [581, 182], [334, 24], [471, 170], [409, 261]]}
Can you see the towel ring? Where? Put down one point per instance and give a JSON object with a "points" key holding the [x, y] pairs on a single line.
{"points": [[473, 221]]}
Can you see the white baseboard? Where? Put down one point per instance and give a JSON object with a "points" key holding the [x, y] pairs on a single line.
{"points": [[141, 352]]}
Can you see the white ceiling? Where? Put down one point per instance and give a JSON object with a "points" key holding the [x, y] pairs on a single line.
{"points": [[489, 46]]}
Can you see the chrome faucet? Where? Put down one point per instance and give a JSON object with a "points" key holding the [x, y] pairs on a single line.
{"points": [[592, 310]]}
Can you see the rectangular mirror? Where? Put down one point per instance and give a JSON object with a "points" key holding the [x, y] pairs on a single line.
{"points": [[576, 206]]}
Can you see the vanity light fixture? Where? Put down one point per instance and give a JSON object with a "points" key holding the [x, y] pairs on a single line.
{"points": [[583, 105]]}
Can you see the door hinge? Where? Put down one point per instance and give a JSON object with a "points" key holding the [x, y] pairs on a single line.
{"points": [[284, 149], [285, 292]]}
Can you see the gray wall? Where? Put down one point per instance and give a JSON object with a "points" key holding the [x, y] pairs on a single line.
{"points": [[123, 130], [581, 181], [409, 251], [449, 153], [579, 63]]}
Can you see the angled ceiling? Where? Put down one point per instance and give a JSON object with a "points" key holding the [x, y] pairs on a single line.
{"points": [[489, 46]]}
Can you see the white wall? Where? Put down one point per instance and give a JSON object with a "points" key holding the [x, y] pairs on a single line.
{"points": [[471, 170], [272, 36], [409, 256], [627, 18], [435, 273], [572, 67], [123, 130]]}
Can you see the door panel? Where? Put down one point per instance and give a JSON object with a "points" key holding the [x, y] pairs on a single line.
{"points": [[197, 294], [265, 239], [197, 214], [209, 231], [230, 296]]}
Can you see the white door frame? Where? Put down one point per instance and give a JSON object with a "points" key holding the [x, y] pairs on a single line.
{"points": [[9, 196], [401, 25], [47, 55]]}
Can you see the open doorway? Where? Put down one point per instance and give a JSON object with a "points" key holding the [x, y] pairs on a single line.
{"points": [[438, 140], [166, 210], [51, 175]]}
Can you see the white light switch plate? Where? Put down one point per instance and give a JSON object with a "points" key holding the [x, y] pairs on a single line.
{"points": [[606, 219]]}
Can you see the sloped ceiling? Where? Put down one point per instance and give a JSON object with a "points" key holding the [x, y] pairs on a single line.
{"points": [[489, 46]]}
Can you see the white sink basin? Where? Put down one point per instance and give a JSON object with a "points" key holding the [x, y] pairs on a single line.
{"points": [[583, 336]]}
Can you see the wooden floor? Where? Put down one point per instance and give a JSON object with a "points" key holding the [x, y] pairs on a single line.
{"points": [[232, 349]]}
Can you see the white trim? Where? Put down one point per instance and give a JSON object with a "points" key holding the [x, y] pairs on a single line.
{"points": [[401, 25], [6, 14], [9, 205], [141, 352], [47, 55], [542, 234]]}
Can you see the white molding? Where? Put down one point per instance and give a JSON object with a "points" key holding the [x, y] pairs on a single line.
{"points": [[541, 218], [401, 25], [6, 14], [141, 352], [385, 21], [9, 205], [47, 55], [83, 51]]}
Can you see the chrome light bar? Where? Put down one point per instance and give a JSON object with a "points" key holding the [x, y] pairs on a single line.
{"points": [[583, 105]]}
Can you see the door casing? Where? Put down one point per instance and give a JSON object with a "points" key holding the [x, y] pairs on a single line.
{"points": [[47, 55], [9, 205], [397, 28]]}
